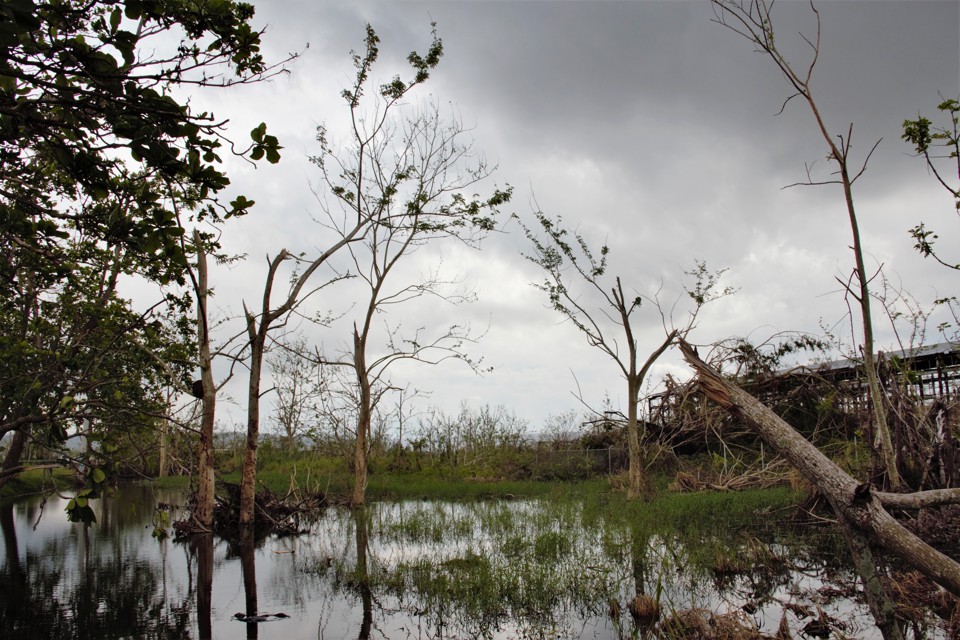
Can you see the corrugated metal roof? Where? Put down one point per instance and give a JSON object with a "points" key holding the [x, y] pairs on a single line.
{"points": [[923, 351]]}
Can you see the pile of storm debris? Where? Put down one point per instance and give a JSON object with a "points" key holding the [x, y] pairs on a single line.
{"points": [[273, 514], [278, 515]]}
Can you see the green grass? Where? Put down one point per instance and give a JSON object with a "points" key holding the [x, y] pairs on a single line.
{"points": [[385, 486], [33, 482], [402, 486], [676, 510], [279, 472], [682, 510], [534, 561], [170, 482]]}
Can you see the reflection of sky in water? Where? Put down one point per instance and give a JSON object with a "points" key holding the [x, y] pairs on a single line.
{"points": [[99, 578]]}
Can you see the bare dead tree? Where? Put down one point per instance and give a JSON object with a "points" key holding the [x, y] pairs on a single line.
{"points": [[299, 389], [258, 327], [752, 19]]}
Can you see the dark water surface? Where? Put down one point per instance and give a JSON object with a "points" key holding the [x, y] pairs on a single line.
{"points": [[495, 569]]}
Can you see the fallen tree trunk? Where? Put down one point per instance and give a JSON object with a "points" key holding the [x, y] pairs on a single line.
{"points": [[860, 507], [920, 499]]}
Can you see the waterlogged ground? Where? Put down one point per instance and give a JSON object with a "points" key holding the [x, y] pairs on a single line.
{"points": [[551, 568]]}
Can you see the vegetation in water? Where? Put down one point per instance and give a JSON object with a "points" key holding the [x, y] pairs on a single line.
{"points": [[561, 567]]}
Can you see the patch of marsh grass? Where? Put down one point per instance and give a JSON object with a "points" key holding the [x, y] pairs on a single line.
{"points": [[529, 567]]}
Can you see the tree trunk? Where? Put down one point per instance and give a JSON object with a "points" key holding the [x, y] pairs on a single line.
{"points": [[203, 509], [164, 462], [855, 503], [363, 422], [360, 453], [635, 472], [883, 440], [12, 460], [634, 384], [248, 479]]}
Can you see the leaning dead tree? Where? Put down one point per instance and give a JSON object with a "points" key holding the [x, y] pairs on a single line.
{"points": [[861, 511]]}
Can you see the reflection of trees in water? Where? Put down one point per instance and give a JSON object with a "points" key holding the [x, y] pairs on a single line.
{"points": [[103, 592], [112, 598], [428, 569], [541, 568], [361, 518], [201, 545], [291, 579]]}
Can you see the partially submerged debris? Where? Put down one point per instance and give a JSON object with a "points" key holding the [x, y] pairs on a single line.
{"points": [[700, 624], [281, 516], [916, 597], [259, 617], [938, 527], [644, 610], [272, 514]]}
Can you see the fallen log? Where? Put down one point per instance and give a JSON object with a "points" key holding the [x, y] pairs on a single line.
{"points": [[919, 499], [861, 509]]}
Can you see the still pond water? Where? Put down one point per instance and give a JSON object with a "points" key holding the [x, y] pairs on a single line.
{"points": [[411, 569]]}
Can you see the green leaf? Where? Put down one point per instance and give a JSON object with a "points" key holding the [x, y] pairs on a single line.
{"points": [[133, 9], [98, 475], [24, 13], [115, 16], [241, 203]]}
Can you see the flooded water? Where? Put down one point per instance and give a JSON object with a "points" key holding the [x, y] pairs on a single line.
{"points": [[414, 569]]}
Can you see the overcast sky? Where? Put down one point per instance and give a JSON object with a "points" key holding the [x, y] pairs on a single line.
{"points": [[644, 125]]}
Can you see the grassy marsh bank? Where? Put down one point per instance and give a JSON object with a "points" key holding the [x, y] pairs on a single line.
{"points": [[37, 481]]}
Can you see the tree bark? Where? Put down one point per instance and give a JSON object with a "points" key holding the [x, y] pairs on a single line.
{"points": [[634, 473], [879, 411], [11, 461], [634, 386], [203, 509], [920, 499], [363, 421], [855, 503], [248, 478], [163, 463]]}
